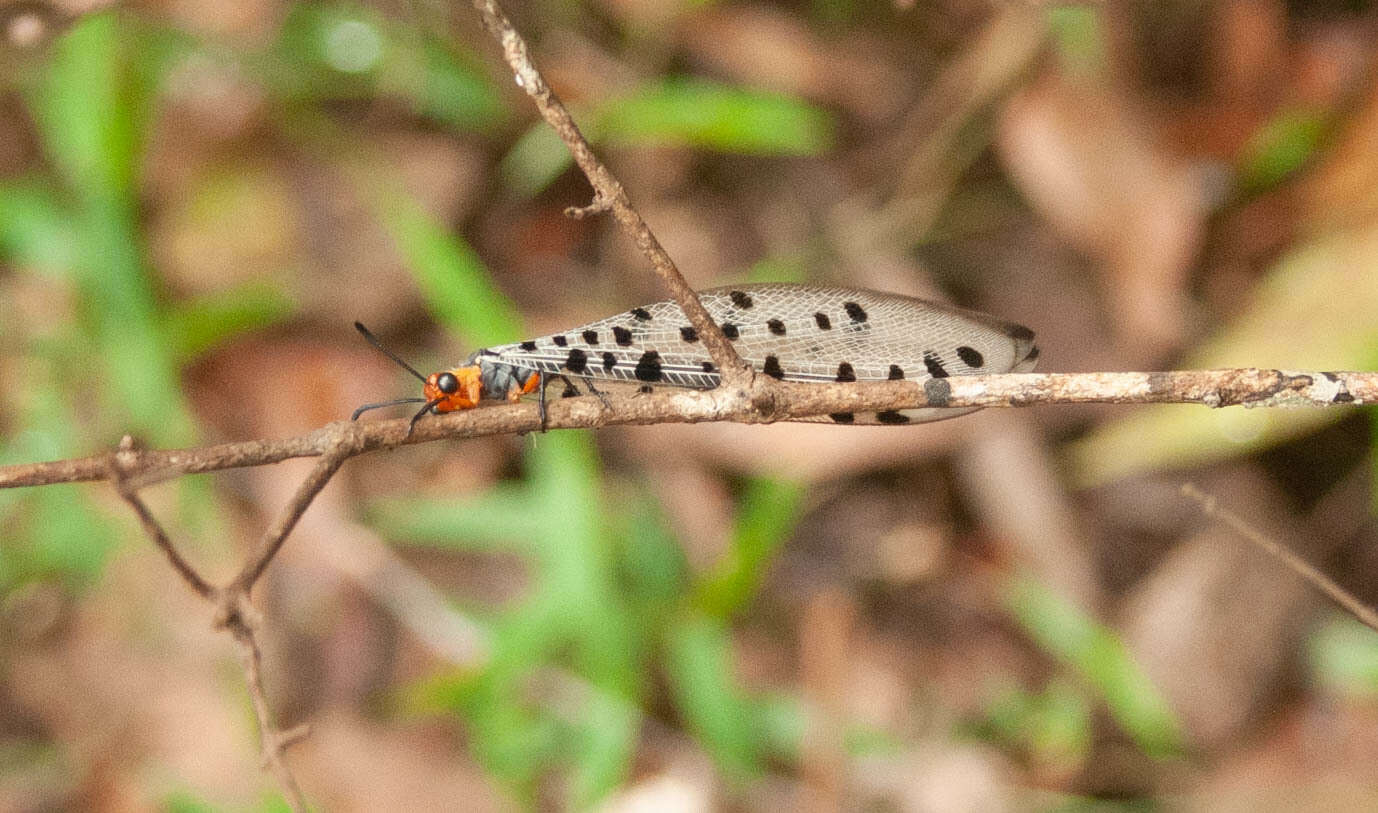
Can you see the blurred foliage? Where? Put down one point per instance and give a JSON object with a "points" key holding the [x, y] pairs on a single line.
{"points": [[1052, 726], [1079, 36], [1097, 655], [675, 113], [451, 277], [91, 109], [1281, 147], [1344, 657], [80, 229], [346, 51], [610, 603], [195, 327]]}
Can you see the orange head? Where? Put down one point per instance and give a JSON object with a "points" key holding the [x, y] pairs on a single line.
{"points": [[450, 390], [446, 391]]}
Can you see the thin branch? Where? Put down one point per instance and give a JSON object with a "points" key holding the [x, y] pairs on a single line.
{"points": [[609, 195], [242, 621], [1213, 388], [151, 526], [234, 612], [1211, 508], [346, 446]]}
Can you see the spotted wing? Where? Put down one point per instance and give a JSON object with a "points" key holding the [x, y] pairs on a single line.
{"points": [[791, 332]]}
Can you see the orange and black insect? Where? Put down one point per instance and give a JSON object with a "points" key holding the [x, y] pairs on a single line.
{"points": [[462, 387], [790, 332]]}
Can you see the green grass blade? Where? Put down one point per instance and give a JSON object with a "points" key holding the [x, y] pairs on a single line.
{"points": [[1101, 659], [452, 278], [767, 513], [692, 112], [699, 667]]}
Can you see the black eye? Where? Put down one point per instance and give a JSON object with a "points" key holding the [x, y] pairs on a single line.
{"points": [[447, 383]]}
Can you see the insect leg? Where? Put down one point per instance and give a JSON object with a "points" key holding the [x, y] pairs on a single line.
{"points": [[588, 382], [540, 399], [545, 378], [571, 390]]}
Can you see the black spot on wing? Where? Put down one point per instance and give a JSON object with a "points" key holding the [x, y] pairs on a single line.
{"points": [[560, 341], [648, 367], [741, 299], [776, 326], [622, 336], [971, 357], [842, 417], [896, 372], [577, 361], [772, 368], [935, 367], [609, 361], [890, 416], [845, 373], [824, 323], [855, 311], [590, 336], [688, 334], [528, 347], [708, 367], [641, 314], [730, 330]]}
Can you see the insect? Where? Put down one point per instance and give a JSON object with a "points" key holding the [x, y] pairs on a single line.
{"points": [[790, 332]]}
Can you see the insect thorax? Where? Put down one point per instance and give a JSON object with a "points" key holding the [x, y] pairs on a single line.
{"points": [[498, 377]]}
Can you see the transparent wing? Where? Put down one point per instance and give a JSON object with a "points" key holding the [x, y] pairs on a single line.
{"points": [[794, 332]]}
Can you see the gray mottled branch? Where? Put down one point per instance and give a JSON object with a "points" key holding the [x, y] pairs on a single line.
{"points": [[1213, 388]]}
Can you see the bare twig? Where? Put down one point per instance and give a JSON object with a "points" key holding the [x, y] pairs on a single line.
{"points": [[242, 622], [346, 446], [234, 612], [151, 526], [1211, 508], [609, 195], [1213, 388]]}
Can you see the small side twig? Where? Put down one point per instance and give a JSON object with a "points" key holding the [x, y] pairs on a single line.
{"points": [[150, 524], [242, 623], [346, 446], [609, 195], [1211, 508], [234, 612]]}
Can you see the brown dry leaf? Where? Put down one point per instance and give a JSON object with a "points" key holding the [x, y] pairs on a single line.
{"points": [[805, 452], [1215, 624], [1090, 165], [1314, 311], [770, 48], [1343, 194]]}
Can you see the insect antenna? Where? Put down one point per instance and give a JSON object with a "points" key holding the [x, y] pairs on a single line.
{"points": [[373, 340], [366, 407]]}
